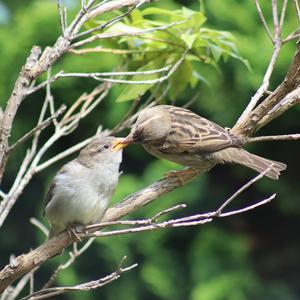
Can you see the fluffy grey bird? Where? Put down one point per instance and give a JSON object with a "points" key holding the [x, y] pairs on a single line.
{"points": [[179, 135], [81, 191]]}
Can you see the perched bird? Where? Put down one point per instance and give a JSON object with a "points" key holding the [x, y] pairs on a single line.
{"points": [[179, 135], [81, 191]]}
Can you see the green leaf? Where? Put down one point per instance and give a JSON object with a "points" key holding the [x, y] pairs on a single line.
{"points": [[199, 77], [189, 39], [160, 11], [216, 52], [180, 79], [132, 91], [196, 19]]}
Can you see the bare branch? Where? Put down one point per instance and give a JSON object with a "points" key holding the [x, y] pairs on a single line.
{"points": [[275, 19], [274, 138], [110, 35], [110, 22], [106, 74], [13, 292], [243, 210], [73, 256], [20, 90], [243, 188], [88, 286], [114, 51], [261, 91], [39, 127], [286, 103], [263, 20], [39, 225], [61, 17], [284, 90], [292, 36], [282, 15]]}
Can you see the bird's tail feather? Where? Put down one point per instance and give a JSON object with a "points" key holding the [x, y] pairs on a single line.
{"points": [[255, 162]]}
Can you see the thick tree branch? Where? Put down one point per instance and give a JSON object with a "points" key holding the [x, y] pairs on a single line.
{"points": [[26, 262], [253, 121]]}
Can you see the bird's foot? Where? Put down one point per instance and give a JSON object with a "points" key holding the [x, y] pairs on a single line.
{"points": [[182, 176], [73, 233]]}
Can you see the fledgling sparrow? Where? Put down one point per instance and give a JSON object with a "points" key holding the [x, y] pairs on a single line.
{"points": [[179, 135], [82, 190]]}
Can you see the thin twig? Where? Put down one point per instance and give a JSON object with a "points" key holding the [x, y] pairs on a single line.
{"points": [[61, 17], [2, 194], [129, 114], [292, 36], [263, 20], [151, 224], [44, 83], [282, 15], [73, 256], [39, 127], [116, 51], [91, 285], [109, 35], [271, 138], [250, 207], [243, 188], [109, 23], [166, 211], [275, 19], [107, 74], [262, 89], [98, 75], [39, 225]]}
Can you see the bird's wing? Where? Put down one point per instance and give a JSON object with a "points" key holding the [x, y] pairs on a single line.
{"points": [[50, 191], [194, 134], [48, 196]]}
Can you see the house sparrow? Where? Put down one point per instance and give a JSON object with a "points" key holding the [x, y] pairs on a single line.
{"points": [[179, 135], [81, 191]]}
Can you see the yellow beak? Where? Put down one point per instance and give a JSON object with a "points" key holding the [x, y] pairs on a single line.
{"points": [[119, 144]]}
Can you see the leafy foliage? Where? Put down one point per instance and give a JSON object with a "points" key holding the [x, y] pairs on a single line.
{"points": [[251, 256], [186, 41]]}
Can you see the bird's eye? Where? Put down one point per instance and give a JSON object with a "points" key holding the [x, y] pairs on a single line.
{"points": [[106, 146]]}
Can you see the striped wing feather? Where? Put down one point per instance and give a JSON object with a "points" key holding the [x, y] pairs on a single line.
{"points": [[194, 134]]}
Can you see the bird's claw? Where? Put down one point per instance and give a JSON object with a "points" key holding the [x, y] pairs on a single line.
{"points": [[180, 175], [73, 233]]}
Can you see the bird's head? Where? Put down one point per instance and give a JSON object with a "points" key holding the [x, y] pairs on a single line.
{"points": [[151, 127], [101, 150]]}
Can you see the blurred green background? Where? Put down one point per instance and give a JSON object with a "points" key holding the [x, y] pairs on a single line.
{"points": [[249, 256]]}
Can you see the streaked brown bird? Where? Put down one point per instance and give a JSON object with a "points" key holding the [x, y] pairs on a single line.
{"points": [[181, 136]]}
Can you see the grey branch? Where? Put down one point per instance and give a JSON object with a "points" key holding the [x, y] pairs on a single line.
{"points": [[275, 138], [39, 127], [88, 286]]}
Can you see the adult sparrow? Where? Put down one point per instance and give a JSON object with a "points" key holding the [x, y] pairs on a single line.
{"points": [[81, 191], [179, 135]]}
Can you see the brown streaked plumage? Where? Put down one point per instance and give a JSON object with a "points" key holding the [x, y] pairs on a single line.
{"points": [[179, 135]]}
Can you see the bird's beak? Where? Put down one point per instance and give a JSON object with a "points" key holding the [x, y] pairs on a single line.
{"points": [[121, 143]]}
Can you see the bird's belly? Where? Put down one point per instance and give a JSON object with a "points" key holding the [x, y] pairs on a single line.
{"points": [[76, 205], [192, 160]]}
